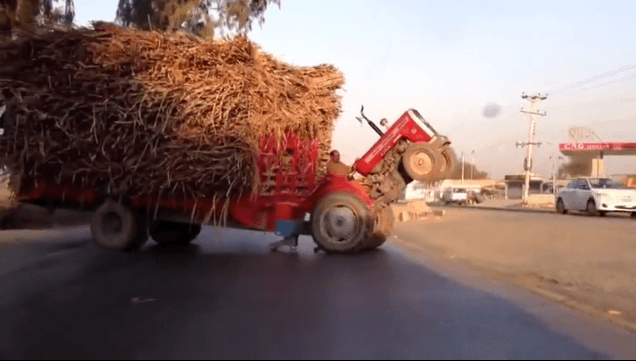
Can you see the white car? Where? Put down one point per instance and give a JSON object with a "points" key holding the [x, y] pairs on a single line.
{"points": [[596, 196], [455, 195]]}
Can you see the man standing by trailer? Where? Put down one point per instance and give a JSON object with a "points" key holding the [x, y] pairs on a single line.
{"points": [[335, 166]]}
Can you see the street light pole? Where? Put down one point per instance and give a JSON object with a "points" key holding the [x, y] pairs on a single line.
{"points": [[472, 165], [463, 167], [555, 161]]}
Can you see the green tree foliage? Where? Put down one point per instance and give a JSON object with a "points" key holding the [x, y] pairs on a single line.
{"points": [[201, 17]]}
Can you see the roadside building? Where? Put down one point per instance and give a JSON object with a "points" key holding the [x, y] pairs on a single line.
{"points": [[516, 183]]}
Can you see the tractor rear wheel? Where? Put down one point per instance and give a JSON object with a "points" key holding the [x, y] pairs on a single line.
{"points": [[340, 223], [174, 233], [117, 227], [422, 162], [383, 228]]}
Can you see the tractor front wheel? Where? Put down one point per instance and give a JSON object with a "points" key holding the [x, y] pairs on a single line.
{"points": [[422, 162], [448, 163]]}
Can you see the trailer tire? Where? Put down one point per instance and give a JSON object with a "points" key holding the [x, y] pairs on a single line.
{"points": [[117, 227], [174, 233], [383, 228], [340, 223], [422, 162]]}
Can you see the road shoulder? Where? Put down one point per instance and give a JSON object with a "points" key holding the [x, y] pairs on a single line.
{"points": [[584, 279], [588, 329]]}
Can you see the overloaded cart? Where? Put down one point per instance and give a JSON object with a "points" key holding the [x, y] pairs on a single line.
{"points": [[345, 214], [285, 191]]}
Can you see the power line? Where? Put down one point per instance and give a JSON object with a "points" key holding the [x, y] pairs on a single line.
{"points": [[595, 78], [604, 84]]}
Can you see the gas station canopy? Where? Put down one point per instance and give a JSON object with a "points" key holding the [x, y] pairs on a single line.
{"points": [[594, 148]]}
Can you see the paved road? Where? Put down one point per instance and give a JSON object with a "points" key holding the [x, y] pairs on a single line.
{"points": [[65, 298]]}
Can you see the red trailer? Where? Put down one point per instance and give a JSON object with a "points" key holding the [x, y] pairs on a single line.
{"points": [[342, 214]]}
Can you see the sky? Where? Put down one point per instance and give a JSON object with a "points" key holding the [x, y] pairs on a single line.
{"points": [[449, 59]]}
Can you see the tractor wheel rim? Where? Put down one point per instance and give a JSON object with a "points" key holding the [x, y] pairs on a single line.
{"points": [[112, 224], [422, 163], [341, 223]]}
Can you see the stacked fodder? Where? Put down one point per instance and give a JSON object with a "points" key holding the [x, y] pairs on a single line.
{"points": [[150, 113]]}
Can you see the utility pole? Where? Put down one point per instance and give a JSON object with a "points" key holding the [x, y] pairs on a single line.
{"points": [[534, 99]]}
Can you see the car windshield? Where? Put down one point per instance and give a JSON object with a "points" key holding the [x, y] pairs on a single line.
{"points": [[606, 184], [459, 190]]}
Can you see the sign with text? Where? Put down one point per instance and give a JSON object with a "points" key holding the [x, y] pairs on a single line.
{"points": [[598, 146]]}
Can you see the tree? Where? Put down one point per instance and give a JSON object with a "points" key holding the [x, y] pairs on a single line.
{"points": [[21, 14], [56, 15], [201, 17], [457, 172], [575, 167]]}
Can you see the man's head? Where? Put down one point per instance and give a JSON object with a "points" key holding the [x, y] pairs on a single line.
{"points": [[335, 155]]}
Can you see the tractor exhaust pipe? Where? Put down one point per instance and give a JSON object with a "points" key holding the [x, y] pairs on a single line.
{"points": [[371, 124]]}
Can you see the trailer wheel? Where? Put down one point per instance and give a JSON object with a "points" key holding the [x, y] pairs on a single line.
{"points": [[174, 233], [117, 227], [422, 162], [340, 223], [383, 228]]}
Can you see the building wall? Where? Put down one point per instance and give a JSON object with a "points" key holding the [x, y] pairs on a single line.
{"points": [[515, 188]]}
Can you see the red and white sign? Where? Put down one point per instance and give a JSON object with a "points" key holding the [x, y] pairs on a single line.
{"points": [[591, 146]]}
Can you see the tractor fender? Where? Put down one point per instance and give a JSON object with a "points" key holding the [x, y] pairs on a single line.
{"points": [[335, 183]]}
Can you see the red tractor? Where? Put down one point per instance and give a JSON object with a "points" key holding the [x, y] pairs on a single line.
{"points": [[345, 215]]}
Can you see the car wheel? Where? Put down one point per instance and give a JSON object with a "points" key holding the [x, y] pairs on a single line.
{"points": [[560, 207], [591, 208]]}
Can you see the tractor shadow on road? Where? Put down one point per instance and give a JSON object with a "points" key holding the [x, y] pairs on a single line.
{"points": [[235, 299]]}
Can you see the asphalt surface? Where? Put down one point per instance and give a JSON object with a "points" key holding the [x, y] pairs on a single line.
{"points": [[64, 298]]}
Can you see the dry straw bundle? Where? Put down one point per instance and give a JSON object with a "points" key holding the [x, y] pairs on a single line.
{"points": [[154, 113]]}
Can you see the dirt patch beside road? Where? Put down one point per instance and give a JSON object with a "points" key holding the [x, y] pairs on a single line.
{"points": [[588, 263]]}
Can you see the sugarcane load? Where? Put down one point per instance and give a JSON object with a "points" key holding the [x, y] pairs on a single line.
{"points": [[169, 131]]}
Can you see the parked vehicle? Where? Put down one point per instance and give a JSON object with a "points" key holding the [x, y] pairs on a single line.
{"points": [[455, 196], [596, 196]]}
